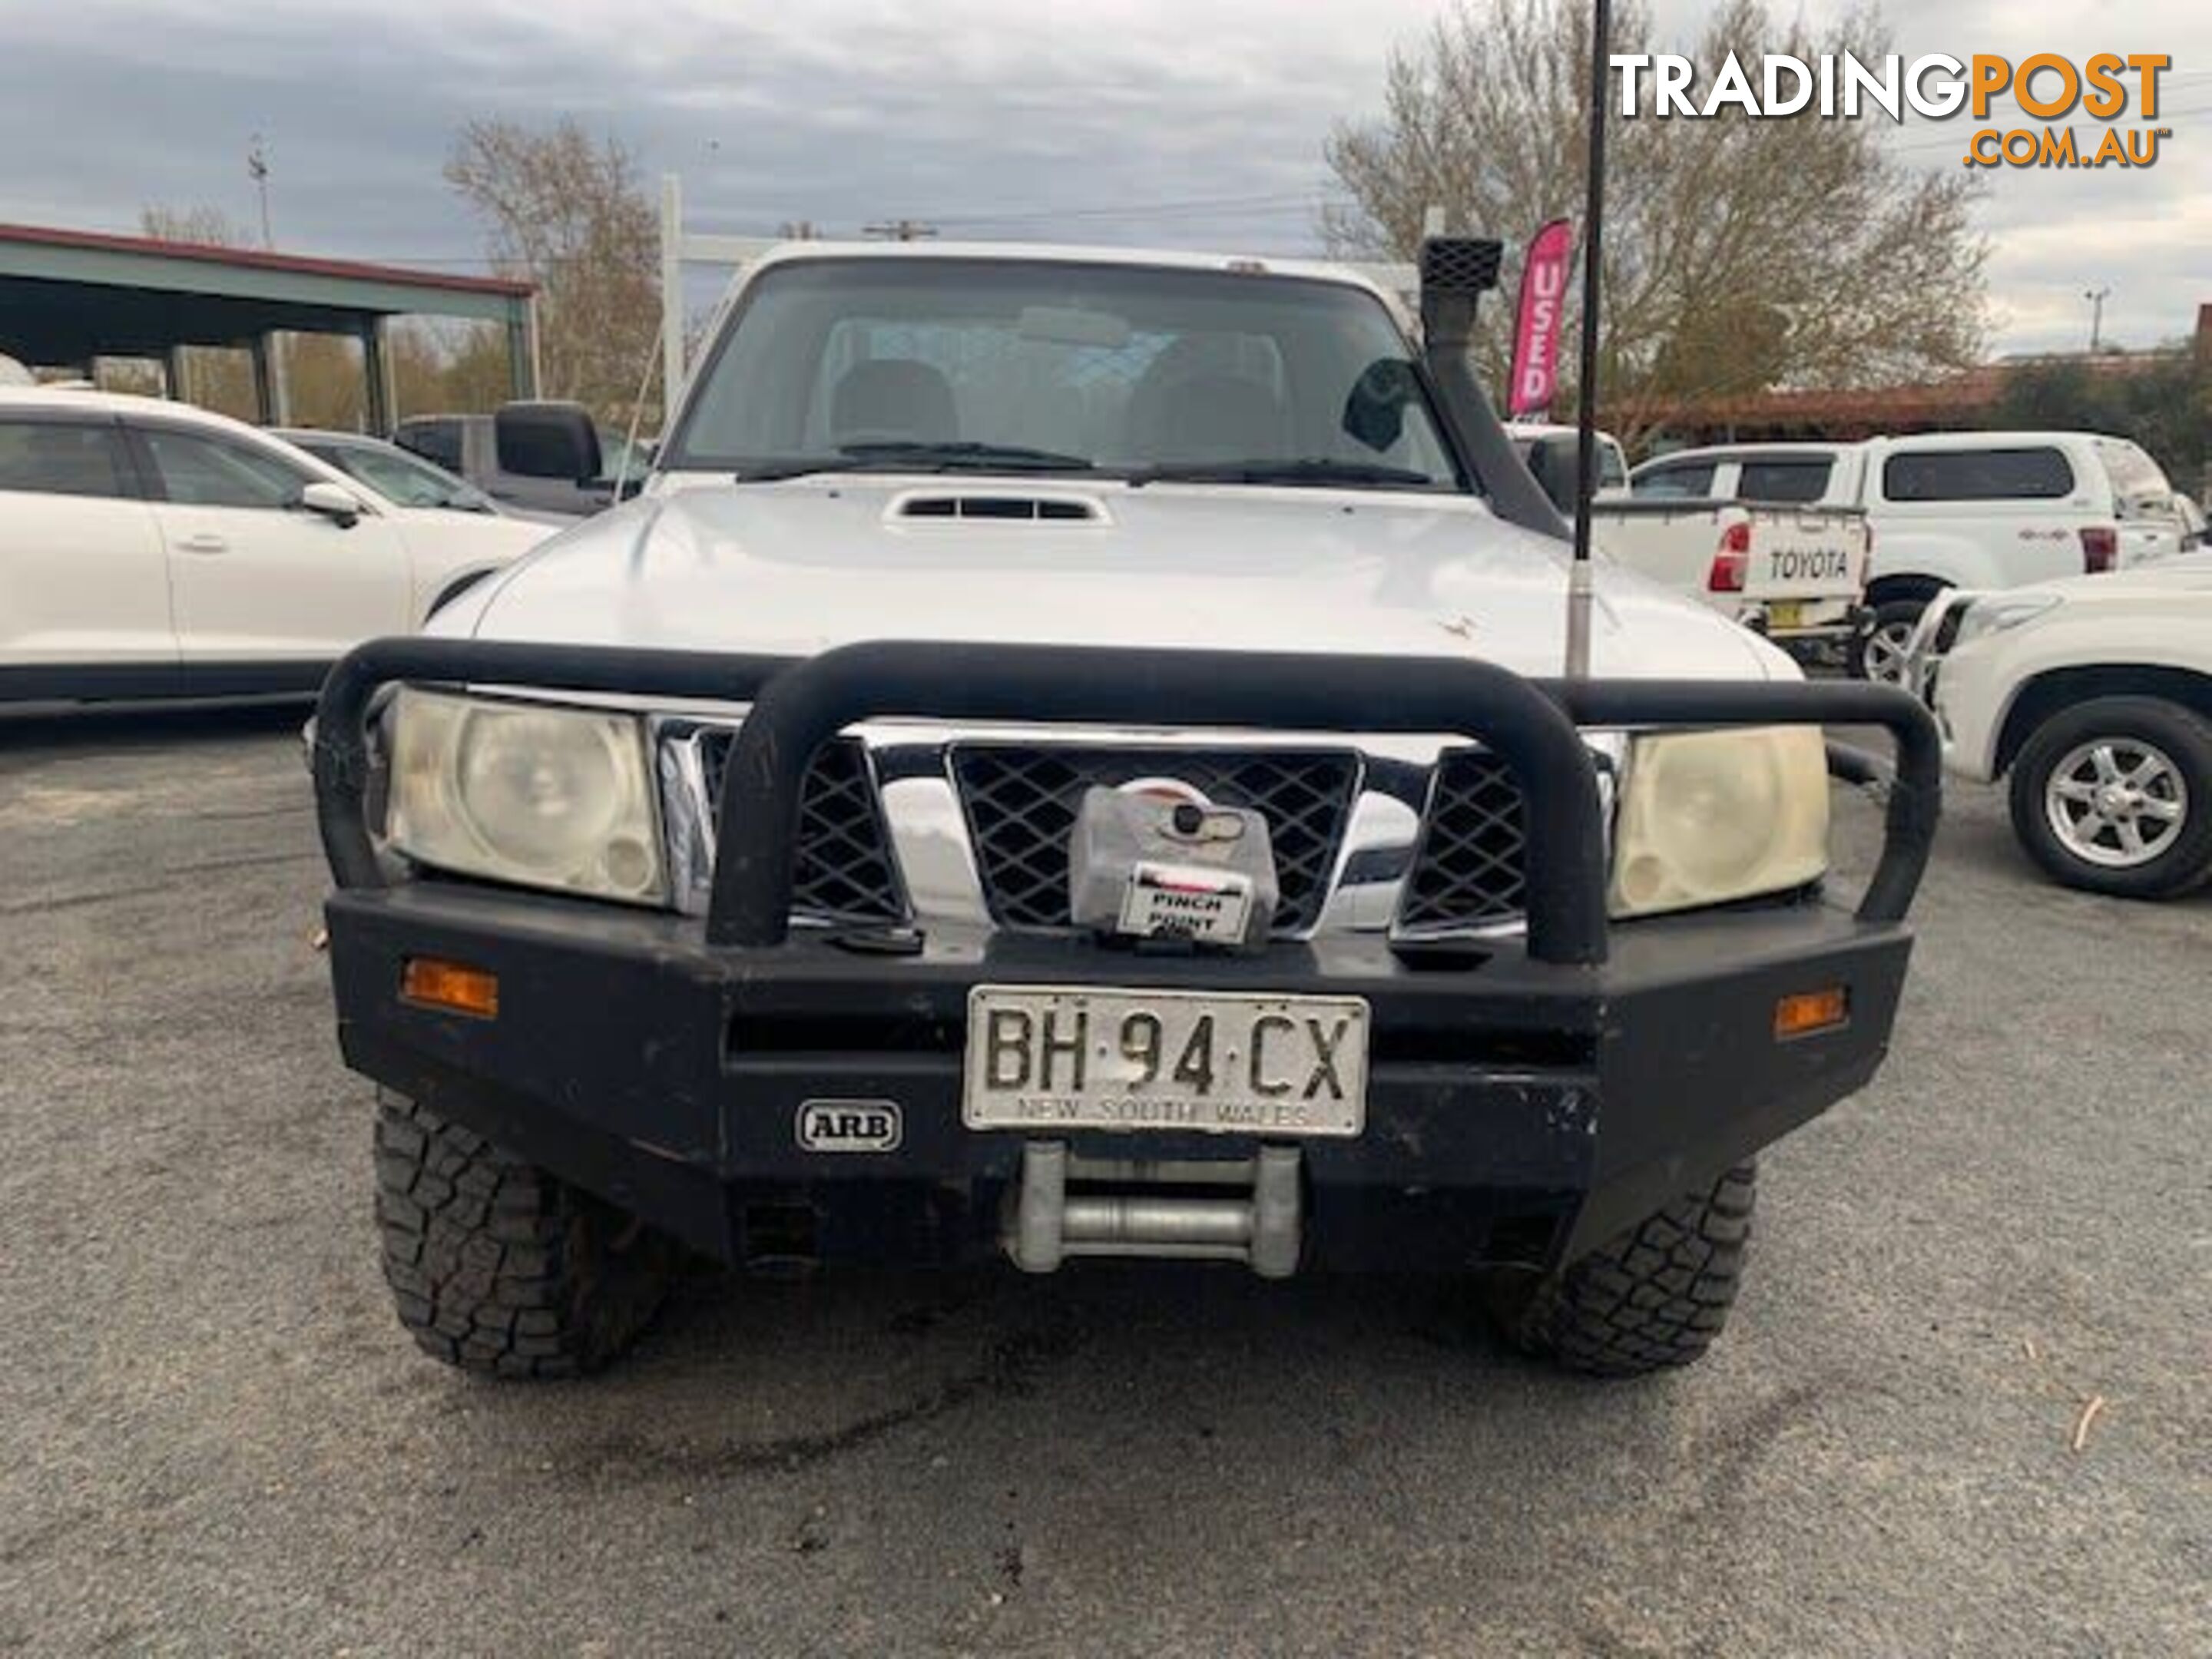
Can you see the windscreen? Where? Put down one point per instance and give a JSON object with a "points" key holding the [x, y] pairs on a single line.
{"points": [[1118, 368], [399, 476]]}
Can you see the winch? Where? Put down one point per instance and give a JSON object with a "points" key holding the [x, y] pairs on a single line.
{"points": [[1162, 862]]}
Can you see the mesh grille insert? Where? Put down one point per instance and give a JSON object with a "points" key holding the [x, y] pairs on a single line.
{"points": [[1468, 871], [1021, 802], [843, 872]]}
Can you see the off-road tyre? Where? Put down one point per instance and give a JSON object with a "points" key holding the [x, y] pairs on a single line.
{"points": [[2180, 734], [1655, 1296], [498, 1267]]}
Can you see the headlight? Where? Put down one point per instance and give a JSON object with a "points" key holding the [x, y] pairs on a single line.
{"points": [[525, 792], [1707, 816], [1993, 613]]}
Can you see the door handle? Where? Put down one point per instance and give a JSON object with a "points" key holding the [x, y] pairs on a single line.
{"points": [[203, 544]]}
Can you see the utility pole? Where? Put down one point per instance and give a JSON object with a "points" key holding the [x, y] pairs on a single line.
{"points": [[2096, 297], [899, 230], [256, 169]]}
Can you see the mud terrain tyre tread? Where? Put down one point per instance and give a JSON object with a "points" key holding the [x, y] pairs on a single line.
{"points": [[1655, 1297], [498, 1267]]}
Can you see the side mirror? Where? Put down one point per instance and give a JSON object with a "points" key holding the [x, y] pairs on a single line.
{"points": [[333, 502], [1555, 464], [548, 440]]}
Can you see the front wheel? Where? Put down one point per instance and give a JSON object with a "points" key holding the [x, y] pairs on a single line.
{"points": [[1654, 1298], [1878, 653], [2115, 796], [497, 1267]]}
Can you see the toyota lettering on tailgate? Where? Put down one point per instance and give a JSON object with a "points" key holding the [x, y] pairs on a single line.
{"points": [[1808, 564]]}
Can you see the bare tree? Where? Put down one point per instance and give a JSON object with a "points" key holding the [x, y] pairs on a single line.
{"points": [[1741, 253], [203, 226], [571, 215]]}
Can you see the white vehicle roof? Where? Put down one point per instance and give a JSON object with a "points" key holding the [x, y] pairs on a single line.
{"points": [[1071, 253], [1979, 440], [1703, 451], [1550, 430], [1359, 275], [119, 403], [67, 398]]}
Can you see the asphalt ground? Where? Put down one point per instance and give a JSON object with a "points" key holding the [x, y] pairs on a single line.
{"points": [[219, 1442]]}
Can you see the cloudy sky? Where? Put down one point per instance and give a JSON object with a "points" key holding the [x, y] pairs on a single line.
{"points": [[1177, 122]]}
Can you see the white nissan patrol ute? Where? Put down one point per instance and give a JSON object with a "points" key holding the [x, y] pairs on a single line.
{"points": [[1068, 759]]}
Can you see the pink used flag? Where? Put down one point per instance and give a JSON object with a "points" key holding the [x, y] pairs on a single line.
{"points": [[1536, 336]]}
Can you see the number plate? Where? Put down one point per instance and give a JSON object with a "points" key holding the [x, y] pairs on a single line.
{"points": [[1056, 1058], [1785, 613]]}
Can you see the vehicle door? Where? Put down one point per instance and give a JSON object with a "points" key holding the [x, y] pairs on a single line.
{"points": [[253, 575], [83, 578]]}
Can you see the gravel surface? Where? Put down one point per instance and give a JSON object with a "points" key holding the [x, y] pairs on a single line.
{"points": [[219, 1442]]}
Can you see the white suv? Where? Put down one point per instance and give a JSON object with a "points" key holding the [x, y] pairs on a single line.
{"points": [[1119, 650], [1952, 509], [149, 549], [2094, 699]]}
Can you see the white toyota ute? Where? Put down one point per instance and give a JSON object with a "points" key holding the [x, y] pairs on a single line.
{"points": [[1068, 759], [1795, 573], [1951, 510]]}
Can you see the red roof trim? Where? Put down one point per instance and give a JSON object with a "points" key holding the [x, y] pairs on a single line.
{"points": [[256, 259]]}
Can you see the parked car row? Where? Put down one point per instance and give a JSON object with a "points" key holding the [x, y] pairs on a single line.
{"points": [[1950, 510], [151, 548]]}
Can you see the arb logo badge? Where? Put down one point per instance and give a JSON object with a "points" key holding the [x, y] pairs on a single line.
{"points": [[850, 1126]]}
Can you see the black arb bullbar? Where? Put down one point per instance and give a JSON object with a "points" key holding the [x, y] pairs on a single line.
{"points": [[1569, 1081], [799, 704]]}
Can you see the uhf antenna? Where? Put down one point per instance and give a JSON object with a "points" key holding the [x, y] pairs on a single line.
{"points": [[1578, 574]]}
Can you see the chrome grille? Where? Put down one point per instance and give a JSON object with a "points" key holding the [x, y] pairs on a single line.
{"points": [[1468, 869], [843, 870], [1021, 802]]}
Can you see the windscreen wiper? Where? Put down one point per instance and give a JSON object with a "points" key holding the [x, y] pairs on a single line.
{"points": [[1314, 469], [900, 456]]}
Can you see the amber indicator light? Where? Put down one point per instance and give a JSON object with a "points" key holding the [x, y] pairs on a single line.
{"points": [[432, 982], [1809, 1013]]}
